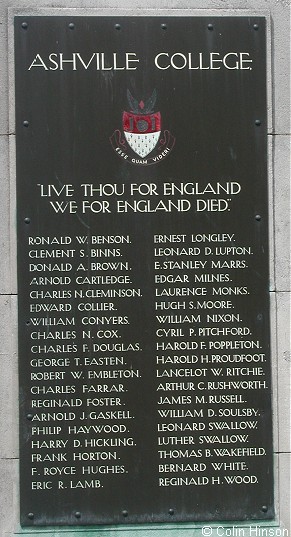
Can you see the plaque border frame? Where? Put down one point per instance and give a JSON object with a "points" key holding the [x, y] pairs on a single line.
{"points": [[194, 527]]}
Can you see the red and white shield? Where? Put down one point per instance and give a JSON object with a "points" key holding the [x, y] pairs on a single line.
{"points": [[142, 131]]}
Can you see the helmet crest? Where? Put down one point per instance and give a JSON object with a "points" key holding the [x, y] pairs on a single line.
{"points": [[146, 107]]}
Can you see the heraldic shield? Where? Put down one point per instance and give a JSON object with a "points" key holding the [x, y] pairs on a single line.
{"points": [[142, 126]]}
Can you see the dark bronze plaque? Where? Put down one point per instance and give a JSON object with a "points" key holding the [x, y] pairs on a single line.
{"points": [[142, 208]]}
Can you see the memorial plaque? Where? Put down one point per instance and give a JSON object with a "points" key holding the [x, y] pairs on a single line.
{"points": [[142, 206]]}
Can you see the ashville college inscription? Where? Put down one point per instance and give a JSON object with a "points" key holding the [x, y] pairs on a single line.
{"points": [[144, 352]]}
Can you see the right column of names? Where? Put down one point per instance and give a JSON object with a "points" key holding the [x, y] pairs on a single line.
{"points": [[210, 363]]}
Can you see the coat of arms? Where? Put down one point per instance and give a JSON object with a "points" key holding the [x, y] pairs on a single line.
{"points": [[142, 130]]}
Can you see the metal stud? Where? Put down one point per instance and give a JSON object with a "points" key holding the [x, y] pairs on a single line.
{"points": [[258, 217], [258, 122], [29, 416], [71, 26], [124, 513], [27, 220], [256, 26], [260, 317], [164, 26], [117, 27], [77, 514], [210, 26], [26, 123], [264, 509], [30, 516], [171, 511], [24, 25]]}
